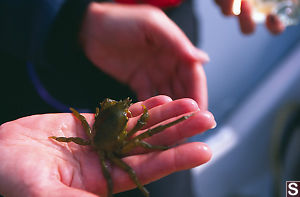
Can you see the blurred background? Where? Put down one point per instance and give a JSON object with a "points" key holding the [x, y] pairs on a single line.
{"points": [[254, 93]]}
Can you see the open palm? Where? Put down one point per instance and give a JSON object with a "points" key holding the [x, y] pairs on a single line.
{"points": [[34, 165], [141, 47]]}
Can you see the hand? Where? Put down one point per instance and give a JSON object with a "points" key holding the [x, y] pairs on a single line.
{"points": [[140, 46], [34, 165], [247, 24]]}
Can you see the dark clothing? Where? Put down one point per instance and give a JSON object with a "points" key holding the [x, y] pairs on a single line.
{"points": [[44, 70]]}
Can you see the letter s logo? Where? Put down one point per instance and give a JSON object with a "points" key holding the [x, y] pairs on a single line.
{"points": [[293, 191]]}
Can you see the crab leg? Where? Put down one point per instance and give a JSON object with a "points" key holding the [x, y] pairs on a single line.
{"points": [[136, 141], [76, 140], [106, 174], [150, 146], [160, 128], [121, 164], [142, 121], [84, 123]]}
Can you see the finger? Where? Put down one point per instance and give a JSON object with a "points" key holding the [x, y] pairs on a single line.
{"points": [[274, 24], [199, 92], [167, 111], [177, 86], [155, 165], [193, 80], [199, 122], [247, 24], [200, 56], [226, 6], [137, 108]]}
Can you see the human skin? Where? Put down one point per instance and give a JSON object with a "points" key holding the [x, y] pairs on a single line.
{"points": [[247, 25], [140, 46], [34, 165]]}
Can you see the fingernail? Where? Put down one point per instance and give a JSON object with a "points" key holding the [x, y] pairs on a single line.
{"points": [[206, 57], [199, 55], [211, 119], [214, 125], [202, 56]]}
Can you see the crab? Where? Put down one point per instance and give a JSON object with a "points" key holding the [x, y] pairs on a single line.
{"points": [[110, 139]]}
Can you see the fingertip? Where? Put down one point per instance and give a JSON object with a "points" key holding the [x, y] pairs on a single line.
{"points": [[211, 122], [201, 56], [192, 54], [205, 151], [274, 24], [206, 119], [226, 6], [247, 24], [137, 109], [191, 103], [187, 105], [195, 85], [157, 100], [195, 154], [227, 12]]}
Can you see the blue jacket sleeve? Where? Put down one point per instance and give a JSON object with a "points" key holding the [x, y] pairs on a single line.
{"points": [[31, 29]]}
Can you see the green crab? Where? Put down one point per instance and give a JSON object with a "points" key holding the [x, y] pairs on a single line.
{"points": [[110, 139]]}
